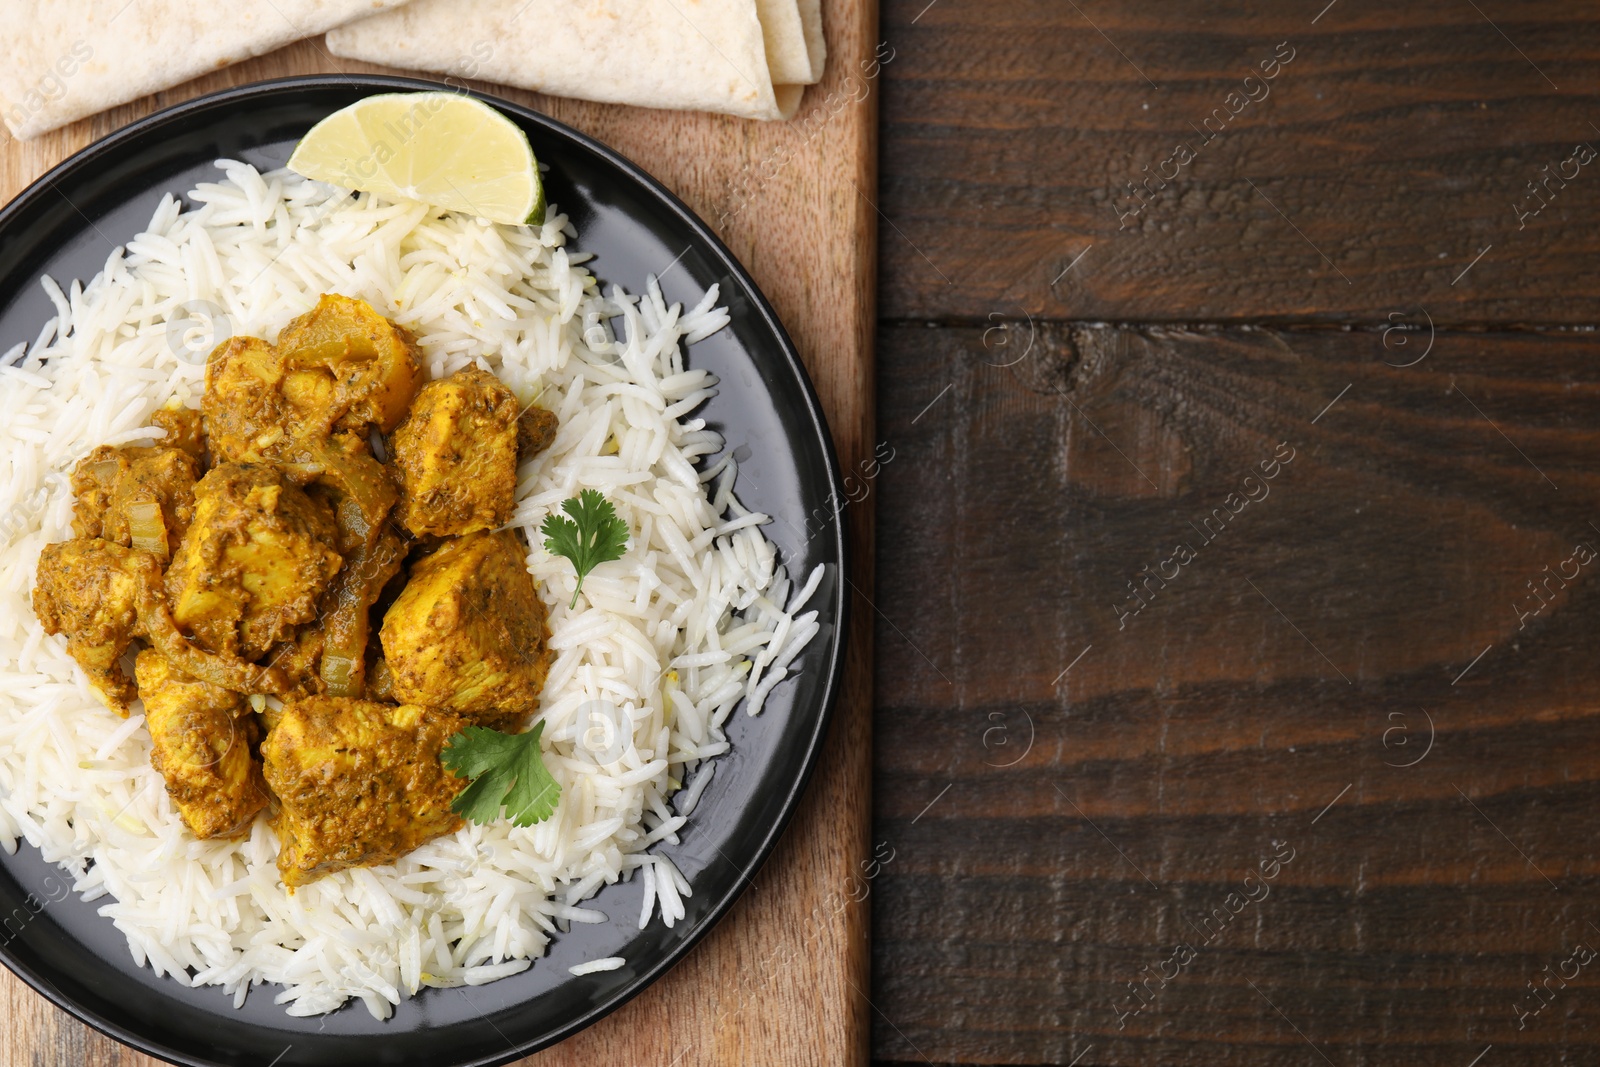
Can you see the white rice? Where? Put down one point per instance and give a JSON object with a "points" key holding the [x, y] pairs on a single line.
{"points": [[696, 617], [610, 963]]}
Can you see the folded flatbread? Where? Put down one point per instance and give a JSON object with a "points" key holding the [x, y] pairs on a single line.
{"points": [[785, 38], [63, 59], [816, 46], [740, 57]]}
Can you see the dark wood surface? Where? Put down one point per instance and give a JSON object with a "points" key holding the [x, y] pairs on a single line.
{"points": [[1350, 672], [1398, 140]]}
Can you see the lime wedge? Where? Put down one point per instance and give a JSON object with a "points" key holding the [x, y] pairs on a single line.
{"points": [[442, 149]]}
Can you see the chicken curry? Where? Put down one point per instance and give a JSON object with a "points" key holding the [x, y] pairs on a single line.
{"points": [[265, 549]]}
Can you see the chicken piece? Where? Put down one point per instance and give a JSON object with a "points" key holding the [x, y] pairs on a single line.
{"points": [[340, 368], [468, 633], [344, 358], [102, 596], [201, 738], [247, 419], [536, 431], [250, 419], [455, 456], [94, 483], [358, 784], [138, 497], [89, 589], [254, 562], [185, 430]]}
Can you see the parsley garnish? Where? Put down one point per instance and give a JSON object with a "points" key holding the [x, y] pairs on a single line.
{"points": [[507, 770], [591, 536]]}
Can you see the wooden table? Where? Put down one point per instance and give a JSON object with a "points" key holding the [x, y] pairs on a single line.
{"points": [[783, 979], [1322, 787]]}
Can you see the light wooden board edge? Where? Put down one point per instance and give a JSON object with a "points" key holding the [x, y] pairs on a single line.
{"points": [[783, 979]]}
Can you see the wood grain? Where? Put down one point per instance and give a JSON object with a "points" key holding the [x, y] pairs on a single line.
{"points": [[785, 974], [1384, 157], [1271, 689]]}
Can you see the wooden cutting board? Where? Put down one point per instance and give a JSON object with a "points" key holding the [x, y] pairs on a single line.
{"points": [[782, 980]]}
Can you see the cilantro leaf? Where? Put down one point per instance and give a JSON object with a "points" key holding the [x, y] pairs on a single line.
{"points": [[592, 535], [507, 771]]}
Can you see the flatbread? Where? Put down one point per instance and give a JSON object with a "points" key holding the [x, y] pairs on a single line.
{"points": [[63, 59], [785, 38], [695, 55], [816, 46]]}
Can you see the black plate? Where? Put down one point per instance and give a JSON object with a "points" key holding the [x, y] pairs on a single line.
{"points": [[67, 223]]}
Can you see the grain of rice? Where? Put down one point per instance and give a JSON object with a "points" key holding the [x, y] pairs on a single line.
{"points": [[610, 963]]}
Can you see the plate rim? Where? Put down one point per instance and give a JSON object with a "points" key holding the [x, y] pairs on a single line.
{"points": [[837, 649]]}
